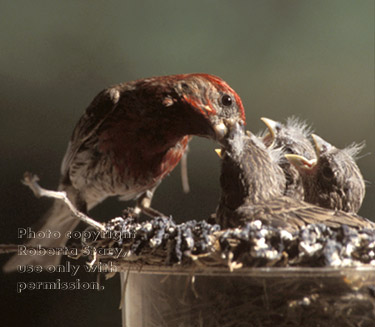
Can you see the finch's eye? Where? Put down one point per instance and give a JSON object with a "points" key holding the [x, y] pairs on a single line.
{"points": [[226, 100]]}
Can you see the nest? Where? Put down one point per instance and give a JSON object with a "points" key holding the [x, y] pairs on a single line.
{"points": [[214, 282], [196, 274], [162, 242]]}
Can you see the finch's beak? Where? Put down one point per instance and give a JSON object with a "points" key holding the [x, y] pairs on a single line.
{"points": [[225, 126], [320, 144], [233, 141], [220, 131], [300, 162]]}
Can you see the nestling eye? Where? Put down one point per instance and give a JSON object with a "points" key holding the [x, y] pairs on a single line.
{"points": [[327, 173], [226, 100]]}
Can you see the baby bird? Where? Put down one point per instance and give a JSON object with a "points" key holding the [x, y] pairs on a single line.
{"points": [[333, 180], [292, 137], [252, 188], [250, 174]]}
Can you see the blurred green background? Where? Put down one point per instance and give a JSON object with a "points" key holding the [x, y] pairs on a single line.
{"points": [[312, 59]]}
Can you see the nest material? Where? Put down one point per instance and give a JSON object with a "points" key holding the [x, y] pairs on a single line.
{"points": [[265, 300], [282, 295], [162, 242]]}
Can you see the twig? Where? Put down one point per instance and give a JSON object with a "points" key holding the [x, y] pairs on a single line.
{"points": [[8, 248], [31, 180]]}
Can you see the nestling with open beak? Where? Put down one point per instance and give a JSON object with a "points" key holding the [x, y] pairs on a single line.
{"points": [[292, 137], [333, 180], [252, 188]]}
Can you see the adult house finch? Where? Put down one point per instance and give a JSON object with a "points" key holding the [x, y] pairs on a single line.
{"points": [[131, 136], [333, 180], [292, 137], [252, 189]]}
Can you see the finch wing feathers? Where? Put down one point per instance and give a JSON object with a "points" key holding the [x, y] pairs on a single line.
{"points": [[99, 109]]}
